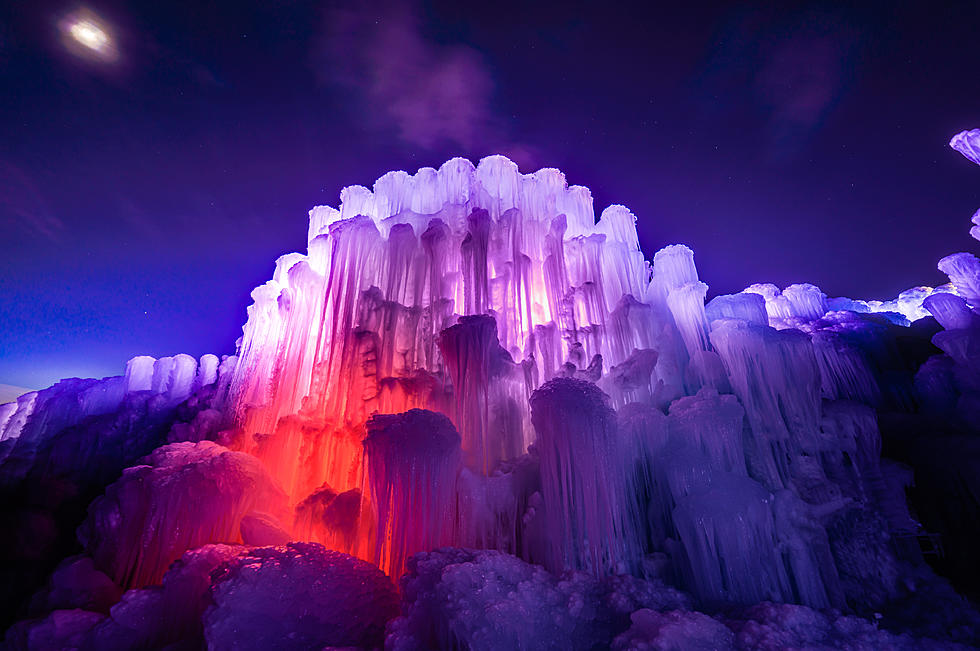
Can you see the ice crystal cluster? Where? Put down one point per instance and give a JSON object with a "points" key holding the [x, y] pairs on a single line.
{"points": [[471, 384]]}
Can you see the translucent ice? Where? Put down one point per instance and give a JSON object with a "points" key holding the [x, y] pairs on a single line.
{"points": [[968, 144], [586, 495], [185, 495], [413, 459]]}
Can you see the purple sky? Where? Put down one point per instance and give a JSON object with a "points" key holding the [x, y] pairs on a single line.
{"points": [[142, 199]]}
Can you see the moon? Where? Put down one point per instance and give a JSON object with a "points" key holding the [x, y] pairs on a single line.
{"points": [[88, 36]]}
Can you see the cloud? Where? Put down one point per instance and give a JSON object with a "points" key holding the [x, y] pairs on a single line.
{"points": [[802, 77], [790, 68], [22, 206], [431, 93]]}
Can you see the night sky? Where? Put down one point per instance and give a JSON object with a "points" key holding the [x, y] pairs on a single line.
{"points": [[144, 192]]}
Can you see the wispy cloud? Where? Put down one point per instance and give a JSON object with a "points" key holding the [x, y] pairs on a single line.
{"points": [[431, 93], [789, 68], [802, 75], [23, 207]]}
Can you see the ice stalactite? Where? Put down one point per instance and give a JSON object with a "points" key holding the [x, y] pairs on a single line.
{"points": [[412, 459], [728, 534], [586, 492], [490, 393], [775, 376]]}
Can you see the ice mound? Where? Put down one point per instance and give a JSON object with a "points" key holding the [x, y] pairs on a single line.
{"points": [[77, 584], [144, 618], [183, 496], [676, 630], [169, 613], [774, 627], [488, 600], [300, 596], [62, 629]]}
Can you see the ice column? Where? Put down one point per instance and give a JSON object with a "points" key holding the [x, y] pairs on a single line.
{"points": [[412, 462], [729, 536], [585, 490], [677, 278]]}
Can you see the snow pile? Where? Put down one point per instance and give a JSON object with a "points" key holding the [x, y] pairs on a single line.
{"points": [[676, 630], [459, 598], [774, 627], [300, 596]]}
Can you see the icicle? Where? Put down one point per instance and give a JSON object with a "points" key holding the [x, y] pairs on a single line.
{"points": [[711, 423], [729, 537]]}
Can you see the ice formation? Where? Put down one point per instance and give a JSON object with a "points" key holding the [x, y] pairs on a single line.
{"points": [[484, 600], [412, 460], [183, 496], [471, 383]]}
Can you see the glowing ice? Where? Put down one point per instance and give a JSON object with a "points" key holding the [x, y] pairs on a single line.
{"points": [[466, 357], [413, 459]]}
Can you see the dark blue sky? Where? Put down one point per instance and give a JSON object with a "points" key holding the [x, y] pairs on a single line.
{"points": [[142, 199]]}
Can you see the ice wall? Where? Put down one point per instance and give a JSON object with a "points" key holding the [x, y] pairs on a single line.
{"points": [[497, 300], [356, 325], [466, 357]]}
